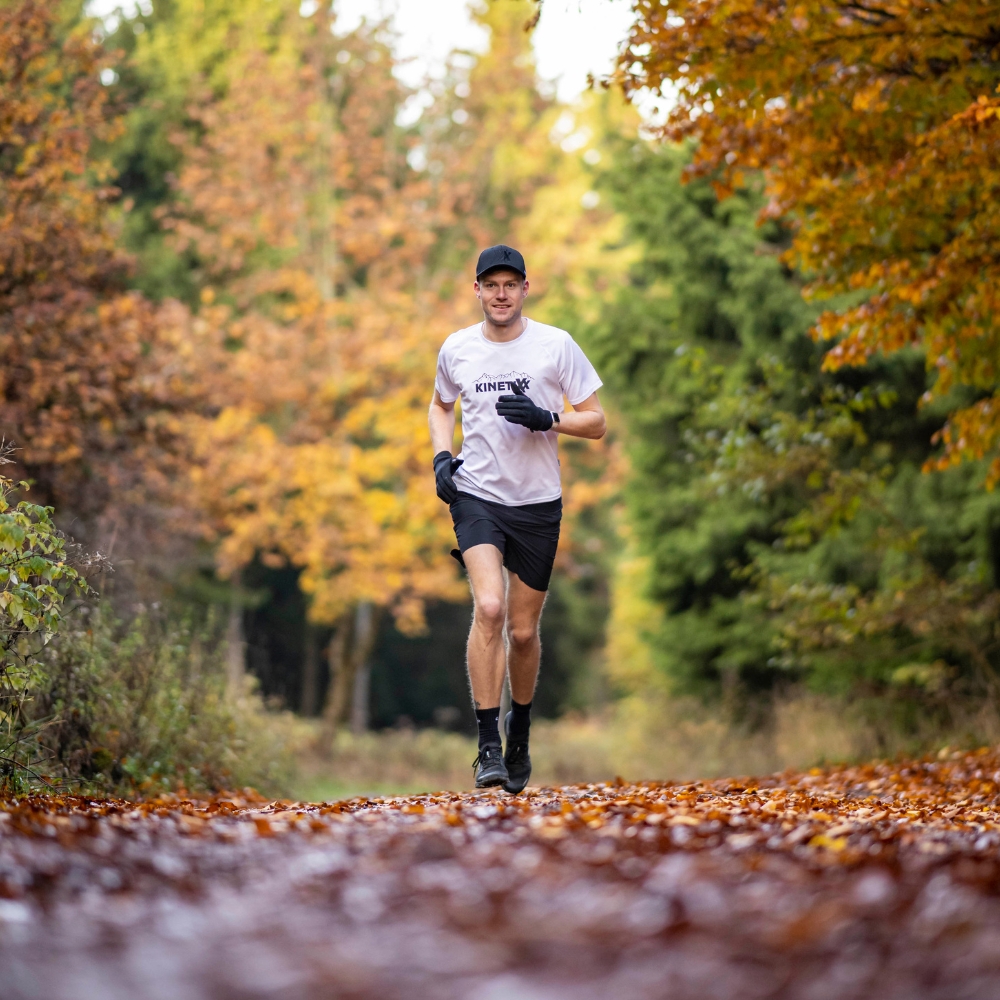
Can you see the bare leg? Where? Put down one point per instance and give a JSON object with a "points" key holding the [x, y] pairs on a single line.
{"points": [[524, 611], [486, 654]]}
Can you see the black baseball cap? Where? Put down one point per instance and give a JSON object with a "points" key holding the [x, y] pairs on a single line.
{"points": [[500, 256]]}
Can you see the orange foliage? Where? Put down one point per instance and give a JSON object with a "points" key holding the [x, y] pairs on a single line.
{"points": [[318, 328], [878, 129], [331, 272], [74, 395]]}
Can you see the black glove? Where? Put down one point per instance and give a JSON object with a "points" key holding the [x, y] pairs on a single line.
{"points": [[521, 410], [444, 469]]}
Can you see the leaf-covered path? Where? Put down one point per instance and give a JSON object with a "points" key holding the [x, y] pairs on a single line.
{"points": [[876, 881]]}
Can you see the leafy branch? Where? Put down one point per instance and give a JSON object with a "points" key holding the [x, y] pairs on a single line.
{"points": [[35, 580]]}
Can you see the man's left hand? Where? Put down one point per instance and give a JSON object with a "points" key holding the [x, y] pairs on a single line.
{"points": [[519, 409]]}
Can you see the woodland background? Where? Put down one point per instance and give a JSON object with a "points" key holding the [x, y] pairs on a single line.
{"points": [[230, 247]]}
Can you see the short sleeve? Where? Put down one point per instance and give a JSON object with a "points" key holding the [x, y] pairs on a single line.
{"points": [[446, 388], [577, 376]]}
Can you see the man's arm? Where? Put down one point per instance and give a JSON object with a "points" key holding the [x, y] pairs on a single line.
{"points": [[441, 418], [585, 420]]}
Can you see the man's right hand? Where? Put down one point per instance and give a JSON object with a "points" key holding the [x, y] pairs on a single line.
{"points": [[444, 468]]}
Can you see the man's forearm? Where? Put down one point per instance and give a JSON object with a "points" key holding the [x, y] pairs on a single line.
{"points": [[442, 425], [582, 423]]}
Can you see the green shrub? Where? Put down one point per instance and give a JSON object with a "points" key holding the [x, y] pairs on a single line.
{"points": [[142, 706], [35, 579]]}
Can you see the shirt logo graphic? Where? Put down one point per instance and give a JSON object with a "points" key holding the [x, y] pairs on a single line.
{"points": [[503, 383]]}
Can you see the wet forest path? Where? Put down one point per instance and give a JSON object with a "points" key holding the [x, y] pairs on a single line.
{"points": [[856, 882]]}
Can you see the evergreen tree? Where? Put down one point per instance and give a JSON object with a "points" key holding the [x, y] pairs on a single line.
{"points": [[789, 532]]}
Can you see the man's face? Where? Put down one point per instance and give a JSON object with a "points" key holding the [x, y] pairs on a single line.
{"points": [[502, 294]]}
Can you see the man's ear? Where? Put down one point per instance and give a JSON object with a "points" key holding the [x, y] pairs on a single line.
{"points": [[525, 286]]}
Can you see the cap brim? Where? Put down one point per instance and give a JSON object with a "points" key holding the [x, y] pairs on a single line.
{"points": [[500, 267]]}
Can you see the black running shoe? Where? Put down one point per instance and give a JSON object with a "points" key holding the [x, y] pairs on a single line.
{"points": [[490, 768], [518, 761]]}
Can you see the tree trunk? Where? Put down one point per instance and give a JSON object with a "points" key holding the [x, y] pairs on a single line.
{"points": [[360, 698], [340, 679], [349, 692], [236, 647], [309, 699], [364, 639]]}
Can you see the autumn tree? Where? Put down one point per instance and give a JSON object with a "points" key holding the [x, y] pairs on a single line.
{"points": [[310, 253], [484, 144], [75, 393], [316, 330], [877, 127]]}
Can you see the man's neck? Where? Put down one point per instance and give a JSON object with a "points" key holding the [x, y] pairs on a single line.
{"points": [[507, 332]]}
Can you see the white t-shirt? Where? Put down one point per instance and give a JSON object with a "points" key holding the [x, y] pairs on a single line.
{"points": [[505, 462]]}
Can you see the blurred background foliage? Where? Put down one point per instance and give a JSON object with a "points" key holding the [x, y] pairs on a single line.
{"points": [[247, 258]]}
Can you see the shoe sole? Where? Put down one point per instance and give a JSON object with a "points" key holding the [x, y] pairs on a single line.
{"points": [[490, 782], [507, 786]]}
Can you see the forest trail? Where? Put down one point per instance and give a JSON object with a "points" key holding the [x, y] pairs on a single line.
{"points": [[853, 882]]}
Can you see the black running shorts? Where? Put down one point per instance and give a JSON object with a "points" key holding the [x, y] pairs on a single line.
{"points": [[527, 535]]}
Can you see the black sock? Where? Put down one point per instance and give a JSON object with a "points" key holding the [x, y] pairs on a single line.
{"points": [[488, 720], [520, 720]]}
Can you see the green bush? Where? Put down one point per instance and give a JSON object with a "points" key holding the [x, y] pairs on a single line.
{"points": [[92, 702], [35, 579], [142, 706]]}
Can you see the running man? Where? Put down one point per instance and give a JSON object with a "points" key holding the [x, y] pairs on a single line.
{"points": [[504, 491]]}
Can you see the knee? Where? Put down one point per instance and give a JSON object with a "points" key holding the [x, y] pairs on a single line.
{"points": [[522, 635], [490, 612]]}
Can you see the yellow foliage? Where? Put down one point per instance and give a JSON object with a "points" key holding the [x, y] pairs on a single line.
{"points": [[634, 616], [313, 349], [332, 272]]}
